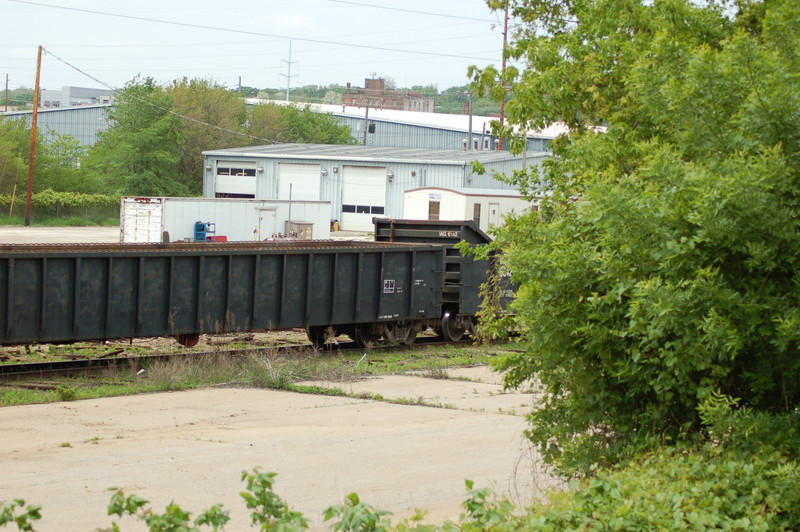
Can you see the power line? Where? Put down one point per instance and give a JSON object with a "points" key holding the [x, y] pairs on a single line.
{"points": [[410, 11], [151, 104], [216, 44], [243, 32]]}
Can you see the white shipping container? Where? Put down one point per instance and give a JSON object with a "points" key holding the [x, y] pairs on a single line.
{"points": [[148, 219]]}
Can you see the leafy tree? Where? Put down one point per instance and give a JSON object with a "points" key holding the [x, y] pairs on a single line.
{"points": [[57, 161], [20, 97], [158, 134], [141, 152], [14, 153], [286, 123], [202, 102], [60, 164], [452, 100], [428, 91], [333, 98], [662, 265], [247, 92]]}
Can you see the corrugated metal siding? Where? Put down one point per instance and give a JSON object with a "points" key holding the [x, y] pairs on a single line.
{"points": [[405, 175], [83, 123], [398, 135]]}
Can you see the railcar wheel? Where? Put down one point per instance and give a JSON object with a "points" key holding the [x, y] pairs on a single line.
{"points": [[364, 337], [450, 326], [401, 333], [188, 340], [317, 335]]}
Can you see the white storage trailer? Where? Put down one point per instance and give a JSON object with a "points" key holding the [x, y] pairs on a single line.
{"points": [[147, 219], [486, 207]]}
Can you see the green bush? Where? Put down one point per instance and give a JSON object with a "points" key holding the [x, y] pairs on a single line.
{"points": [[710, 489], [49, 207], [50, 199], [662, 264]]}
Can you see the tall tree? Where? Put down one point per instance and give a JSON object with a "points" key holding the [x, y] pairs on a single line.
{"points": [[14, 153], [662, 266], [57, 161], [158, 134], [287, 123], [140, 153], [213, 117]]}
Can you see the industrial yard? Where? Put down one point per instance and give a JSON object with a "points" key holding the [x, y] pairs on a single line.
{"points": [[400, 441]]}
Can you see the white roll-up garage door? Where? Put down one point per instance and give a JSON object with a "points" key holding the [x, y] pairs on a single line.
{"points": [[363, 196], [301, 179], [235, 179]]}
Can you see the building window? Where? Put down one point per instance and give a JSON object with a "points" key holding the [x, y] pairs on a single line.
{"points": [[433, 210], [363, 209], [246, 172], [476, 213], [233, 195]]}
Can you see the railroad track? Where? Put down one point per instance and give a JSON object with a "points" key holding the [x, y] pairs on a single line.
{"points": [[88, 366]]}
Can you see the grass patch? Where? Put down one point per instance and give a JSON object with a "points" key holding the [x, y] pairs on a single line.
{"points": [[269, 369]]}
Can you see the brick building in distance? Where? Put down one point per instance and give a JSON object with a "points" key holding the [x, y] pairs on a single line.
{"points": [[375, 94]]}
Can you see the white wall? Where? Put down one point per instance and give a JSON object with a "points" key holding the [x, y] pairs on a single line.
{"points": [[459, 205], [144, 219]]}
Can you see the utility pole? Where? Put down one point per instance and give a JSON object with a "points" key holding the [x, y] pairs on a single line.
{"points": [[366, 124], [367, 102], [32, 157], [469, 105], [6, 92], [288, 75], [503, 83]]}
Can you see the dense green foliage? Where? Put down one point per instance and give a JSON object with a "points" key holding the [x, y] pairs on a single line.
{"points": [[56, 165], [20, 97], [662, 265]]}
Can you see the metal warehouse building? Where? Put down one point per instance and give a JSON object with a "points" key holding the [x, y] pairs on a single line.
{"points": [[360, 182], [83, 123], [412, 129]]}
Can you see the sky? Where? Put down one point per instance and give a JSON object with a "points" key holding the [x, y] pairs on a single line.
{"points": [[265, 44]]}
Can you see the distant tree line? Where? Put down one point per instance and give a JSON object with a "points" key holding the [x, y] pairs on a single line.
{"points": [[450, 101]]}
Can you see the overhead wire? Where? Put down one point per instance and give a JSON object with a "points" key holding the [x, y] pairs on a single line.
{"points": [[245, 32], [164, 109]]}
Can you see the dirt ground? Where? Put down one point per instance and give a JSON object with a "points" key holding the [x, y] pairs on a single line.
{"points": [[192, 446]]}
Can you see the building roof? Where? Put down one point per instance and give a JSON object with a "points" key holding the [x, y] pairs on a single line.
{"points": [[480, 124], [371, 154], [56, 109]]}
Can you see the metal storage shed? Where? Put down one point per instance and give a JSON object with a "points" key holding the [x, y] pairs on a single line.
{"points": [[361, 182]]}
